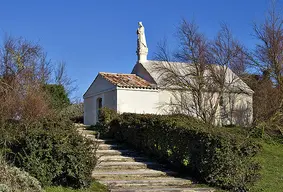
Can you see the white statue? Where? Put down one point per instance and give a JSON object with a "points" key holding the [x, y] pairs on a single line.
{"points": [[142, 49], [141, 36]]}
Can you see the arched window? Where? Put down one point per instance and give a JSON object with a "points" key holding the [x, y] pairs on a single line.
{"points": [[98, 107]]}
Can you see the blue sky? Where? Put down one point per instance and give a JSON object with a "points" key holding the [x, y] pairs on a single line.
{"points": [[93, 36]]}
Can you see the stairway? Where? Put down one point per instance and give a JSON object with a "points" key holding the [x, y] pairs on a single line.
{"points": [[124, 170]]}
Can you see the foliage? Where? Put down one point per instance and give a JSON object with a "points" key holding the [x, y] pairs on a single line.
{"points": [[265, 93], [267, 56], [266, 61], [94, 187], [23, 68], [33, 135], [16, 180], [74, 112], [58, 96], [271, 129], [105, 118], [52, 151], [212, 154]]}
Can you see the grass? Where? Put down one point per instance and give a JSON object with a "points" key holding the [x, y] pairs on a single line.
{"points": [[95, 187], [271, 160]]}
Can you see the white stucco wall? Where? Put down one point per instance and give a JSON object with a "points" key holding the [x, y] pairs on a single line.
{"points": [[137, 100], [89, 110], [237, 108], [109, 100], [165, 99], [100, 88]]}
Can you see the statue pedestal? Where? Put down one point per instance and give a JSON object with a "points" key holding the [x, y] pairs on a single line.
{"points": [[142, 55]]}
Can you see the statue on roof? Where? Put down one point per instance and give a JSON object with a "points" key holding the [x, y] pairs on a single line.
{"points": [[141, 36], [142, 49]]}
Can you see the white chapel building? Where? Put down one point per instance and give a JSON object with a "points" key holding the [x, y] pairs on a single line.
{"points": [[142, 91]]}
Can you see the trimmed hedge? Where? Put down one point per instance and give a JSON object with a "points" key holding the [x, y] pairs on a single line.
{"points": [[211, 154]]}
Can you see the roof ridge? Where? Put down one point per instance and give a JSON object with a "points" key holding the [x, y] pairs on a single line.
{"points": [[116, 73]]}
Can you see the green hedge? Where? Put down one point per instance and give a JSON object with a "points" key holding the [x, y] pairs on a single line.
{"points": [[103, 126], [52, 151], [209, 153]]}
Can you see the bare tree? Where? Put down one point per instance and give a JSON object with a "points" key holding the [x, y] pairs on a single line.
{"points": [[199, 78], [267, 59], [61, 78], [194, 50], [23, 70], [268, 55], [228, 54]]}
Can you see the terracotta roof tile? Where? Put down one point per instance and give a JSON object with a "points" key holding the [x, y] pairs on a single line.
{"points": [[127, 80]]}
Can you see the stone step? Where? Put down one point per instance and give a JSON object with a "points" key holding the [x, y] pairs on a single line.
{"points": [[108, 146], [111, 152], [160, 189], [126, 165], [169, 181], [140, 178], [87, 132], [100, 141], [119, 158], [127, 171], [97, 174]]}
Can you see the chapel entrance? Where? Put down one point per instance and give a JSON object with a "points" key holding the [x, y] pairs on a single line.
{"points": [[98, 107]]}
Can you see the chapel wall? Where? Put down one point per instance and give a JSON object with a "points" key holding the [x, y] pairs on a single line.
{"points": [[137, 101]]}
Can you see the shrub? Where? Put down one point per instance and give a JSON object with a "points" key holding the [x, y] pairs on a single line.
{"points": [[105, 118], [271, 128], [53, 152], [58, 96], [94, 187], [16, 180], [212, 154], [74, 112]]}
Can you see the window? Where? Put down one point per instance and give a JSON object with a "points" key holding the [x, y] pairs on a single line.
{"points": [[99, 100], [98, 107]]}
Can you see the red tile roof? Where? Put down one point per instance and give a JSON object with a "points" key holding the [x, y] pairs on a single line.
{"points": [[127, 80]]}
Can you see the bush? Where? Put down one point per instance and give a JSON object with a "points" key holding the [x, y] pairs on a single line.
{"points": [[58, 95], [212, 154], [94, 187], [16, 180], [271, 128], [74, 112], [105, 118], [53, 152]]}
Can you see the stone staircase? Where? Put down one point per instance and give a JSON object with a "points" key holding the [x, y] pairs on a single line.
{"points": [[124, 170]]}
